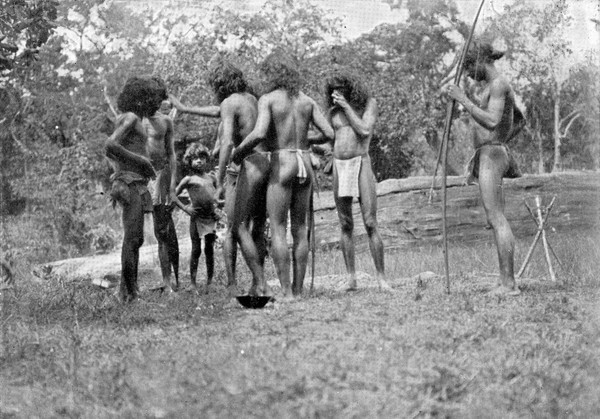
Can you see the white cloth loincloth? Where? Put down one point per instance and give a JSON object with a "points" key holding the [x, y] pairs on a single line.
{"points": [[347, 175]]}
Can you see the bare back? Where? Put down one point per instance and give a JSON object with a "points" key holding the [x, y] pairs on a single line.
{"points": [[291, 116], [239, 112]]}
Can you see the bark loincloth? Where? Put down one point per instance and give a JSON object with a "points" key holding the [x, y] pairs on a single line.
{"points": [[348, 171], [159, 187], [125, 183], [472, 167], [205, 226]]}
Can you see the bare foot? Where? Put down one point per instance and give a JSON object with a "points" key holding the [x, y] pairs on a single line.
{"points": [[171, 284], [384, 286], [352, 285], [503, 290]]}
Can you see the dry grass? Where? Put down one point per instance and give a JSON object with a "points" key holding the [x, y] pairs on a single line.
{"points": [[70, 349]]}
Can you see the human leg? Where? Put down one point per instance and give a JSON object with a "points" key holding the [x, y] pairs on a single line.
{"points": [[249, 218], [493, 162], [168, 247], [298, 212], [209, 255], [229, 243], [368, 205], [133, 238], [278, 204], [196, 252], [344, 210]]}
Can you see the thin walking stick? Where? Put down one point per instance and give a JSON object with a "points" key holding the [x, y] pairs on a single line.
{"points": [[312, 240], [444, 147]]}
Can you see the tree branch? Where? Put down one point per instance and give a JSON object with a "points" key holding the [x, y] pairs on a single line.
{"points": [[564, 134], [110, 105], [567, 117]]}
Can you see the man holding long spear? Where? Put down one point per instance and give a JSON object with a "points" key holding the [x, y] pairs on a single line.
{"points": [[499, 120]]}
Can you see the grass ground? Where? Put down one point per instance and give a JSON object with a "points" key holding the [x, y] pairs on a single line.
{"points": [[71, 350]]}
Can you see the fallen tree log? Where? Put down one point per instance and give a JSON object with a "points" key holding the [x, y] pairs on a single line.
{"points": [[407, 219]]}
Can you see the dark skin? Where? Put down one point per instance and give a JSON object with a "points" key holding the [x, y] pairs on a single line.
{"points": [[353, 134], [283, 123], [127, 148], [245, 204], [495, 118], [161, 148], [201, 188], [245, 214]]}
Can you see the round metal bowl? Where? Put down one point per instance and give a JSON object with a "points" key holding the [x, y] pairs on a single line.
{"points": [[253, 301]]}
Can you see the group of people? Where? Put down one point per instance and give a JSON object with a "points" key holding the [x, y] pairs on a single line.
{"points": [[265, 169]]}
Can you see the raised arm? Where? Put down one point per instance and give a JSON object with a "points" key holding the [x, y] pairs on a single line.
{"points": [[114, 150], [172, 157], [258, 134], [211, 111], [488, 118], [362, 125], [226, 129], [320, 121]]}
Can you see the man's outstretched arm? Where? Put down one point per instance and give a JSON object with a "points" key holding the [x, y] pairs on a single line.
{"points": [[211, 111]]}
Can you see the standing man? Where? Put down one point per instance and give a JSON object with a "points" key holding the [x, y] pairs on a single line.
{"points": [[243, 186], [353, 113], [159, 128], [126, 147], [496, 114], [284, 116]]}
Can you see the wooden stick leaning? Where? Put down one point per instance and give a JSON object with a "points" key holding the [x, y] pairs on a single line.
{"points": [[540, 224], [444, 146], [538, 204], [311, 239]]}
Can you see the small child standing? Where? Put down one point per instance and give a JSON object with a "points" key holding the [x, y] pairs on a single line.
{"points": [[202, 188]]}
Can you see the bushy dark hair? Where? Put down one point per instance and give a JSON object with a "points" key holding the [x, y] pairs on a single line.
{"points": [[351, 86], [226, 79], [194, 151], [481, 52], [142, 95], [281, 72]]}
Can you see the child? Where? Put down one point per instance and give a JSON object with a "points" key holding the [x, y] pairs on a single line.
{"points": [[202, 188]]}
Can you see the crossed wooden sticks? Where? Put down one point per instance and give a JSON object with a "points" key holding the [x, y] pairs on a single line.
{"points": [[540, 219]]}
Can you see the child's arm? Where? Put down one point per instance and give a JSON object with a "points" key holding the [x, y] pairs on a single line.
{"points": [[188, 209]]}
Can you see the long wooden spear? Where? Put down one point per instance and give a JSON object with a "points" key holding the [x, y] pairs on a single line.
{"points": [[444, 146]]}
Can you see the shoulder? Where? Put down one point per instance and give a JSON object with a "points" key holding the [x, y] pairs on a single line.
{"points": [[267, 98], [236, 102], [128, 118], [500, 85]]}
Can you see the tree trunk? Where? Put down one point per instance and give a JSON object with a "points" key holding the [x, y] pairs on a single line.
{"points": [[541, 168], [557, 165]]}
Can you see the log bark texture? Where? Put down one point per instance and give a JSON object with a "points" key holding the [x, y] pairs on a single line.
{"points": [[407, 219]]}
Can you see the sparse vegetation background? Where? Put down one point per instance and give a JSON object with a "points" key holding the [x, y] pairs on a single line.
{"points": [[70, 349]]}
